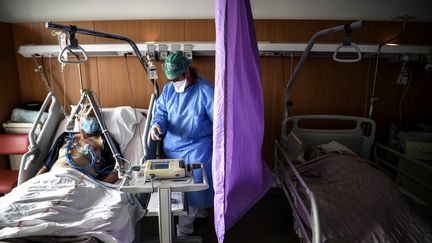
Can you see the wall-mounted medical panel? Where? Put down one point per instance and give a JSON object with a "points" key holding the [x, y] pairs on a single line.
{"points": [[208, 49]]}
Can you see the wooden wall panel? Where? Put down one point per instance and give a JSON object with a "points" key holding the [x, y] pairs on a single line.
{"points": [[323, 86], [265, 30], [114, 86], [138, 31], [415, 33], [10, 95], [267, 81], [206, 67], [10, 92], [200, 30]]}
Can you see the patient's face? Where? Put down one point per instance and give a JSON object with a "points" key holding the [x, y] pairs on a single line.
{"points": [[89, 123]]}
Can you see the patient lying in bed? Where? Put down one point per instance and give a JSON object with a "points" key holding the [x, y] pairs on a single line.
{"points": [[71, 199], [356, 202], [86, 151]]}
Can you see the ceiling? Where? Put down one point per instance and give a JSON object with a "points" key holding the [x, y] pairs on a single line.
{"points": [[15, 11]]}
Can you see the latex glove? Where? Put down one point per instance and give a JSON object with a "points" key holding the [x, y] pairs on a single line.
{"points": [[155, 132]]}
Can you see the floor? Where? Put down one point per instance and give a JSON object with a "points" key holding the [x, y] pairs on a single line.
{"points": [[268, 221]]}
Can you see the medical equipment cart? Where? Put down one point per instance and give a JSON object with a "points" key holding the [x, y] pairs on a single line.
{"points": [[140, 184]]}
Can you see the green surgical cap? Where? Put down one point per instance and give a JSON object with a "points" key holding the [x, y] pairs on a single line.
{"points": [[175, 65]]}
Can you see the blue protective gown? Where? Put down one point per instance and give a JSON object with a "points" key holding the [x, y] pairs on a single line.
{"points": [[186, 121]]}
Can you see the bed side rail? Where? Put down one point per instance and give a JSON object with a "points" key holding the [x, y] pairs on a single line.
{"points": [[31, 161], [286, 180], [412, 176], [149, 144]]}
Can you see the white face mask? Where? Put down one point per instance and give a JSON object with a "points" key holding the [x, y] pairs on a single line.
{"points": [[180, 86]]}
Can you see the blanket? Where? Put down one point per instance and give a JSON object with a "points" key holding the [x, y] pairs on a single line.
{"points": [[65, 202], [358, 203]]}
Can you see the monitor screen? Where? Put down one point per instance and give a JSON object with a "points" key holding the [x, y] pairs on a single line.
{"points": [[159, 166]]}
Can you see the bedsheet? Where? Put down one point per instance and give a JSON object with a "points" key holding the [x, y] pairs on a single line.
{"points": [[358, 203], [68, 203]]}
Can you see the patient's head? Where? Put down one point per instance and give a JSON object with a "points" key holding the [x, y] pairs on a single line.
{"points": [[88, 121], [312, 153]]}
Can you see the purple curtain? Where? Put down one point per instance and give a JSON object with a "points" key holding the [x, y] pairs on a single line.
{"points": [[240, 176]]}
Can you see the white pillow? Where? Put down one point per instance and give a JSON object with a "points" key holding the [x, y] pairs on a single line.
{"points": [[334, 146], [121, 123]]}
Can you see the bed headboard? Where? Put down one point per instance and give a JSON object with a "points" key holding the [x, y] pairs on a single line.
{"points": [[358, 138]]}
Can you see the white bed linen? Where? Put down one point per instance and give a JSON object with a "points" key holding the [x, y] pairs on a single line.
{"points": [[67, 203], [121, 122]]}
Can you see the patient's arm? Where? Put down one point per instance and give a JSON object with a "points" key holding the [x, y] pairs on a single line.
{"points": [[112, 177], [42, 170]]}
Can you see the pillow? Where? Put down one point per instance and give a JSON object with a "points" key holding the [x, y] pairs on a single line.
{"points": [[334, 146], [121, 122], [134, 152]]}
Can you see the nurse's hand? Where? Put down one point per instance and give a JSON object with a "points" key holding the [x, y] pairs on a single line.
{"points": [[155, 133]]}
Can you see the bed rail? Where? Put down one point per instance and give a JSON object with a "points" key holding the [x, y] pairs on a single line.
{"points": [[291, 182], [390, 161], [31, 161]]}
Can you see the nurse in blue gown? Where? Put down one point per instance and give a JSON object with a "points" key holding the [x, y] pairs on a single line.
{"points": [[184, 118]]}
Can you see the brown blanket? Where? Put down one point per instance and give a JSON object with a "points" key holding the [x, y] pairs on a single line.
{"points": [[358, 203]]}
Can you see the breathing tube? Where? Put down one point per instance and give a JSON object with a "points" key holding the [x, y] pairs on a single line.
{"points": [[88, 150]]}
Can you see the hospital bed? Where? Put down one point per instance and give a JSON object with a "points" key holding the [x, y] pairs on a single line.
{"points": [[337, 194], [67, 203], [109, 212], [106, 212]]}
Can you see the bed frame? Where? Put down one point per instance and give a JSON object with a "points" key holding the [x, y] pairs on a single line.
{"points": [[359, 138], [412, 177], [40, 144]]}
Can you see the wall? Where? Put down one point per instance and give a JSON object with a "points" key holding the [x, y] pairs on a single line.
{"points": [[323, 86], [9, 92]]}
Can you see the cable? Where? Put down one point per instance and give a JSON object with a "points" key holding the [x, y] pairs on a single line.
{"points": [[403, 95], [132, 99], [283, 69], [373, 98], [85, 170], [45, 74], [291, 69], [51, 73], [34, 59], [79, 70], [365, 101], [292, 64], [64, 92], [416, 91]]}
